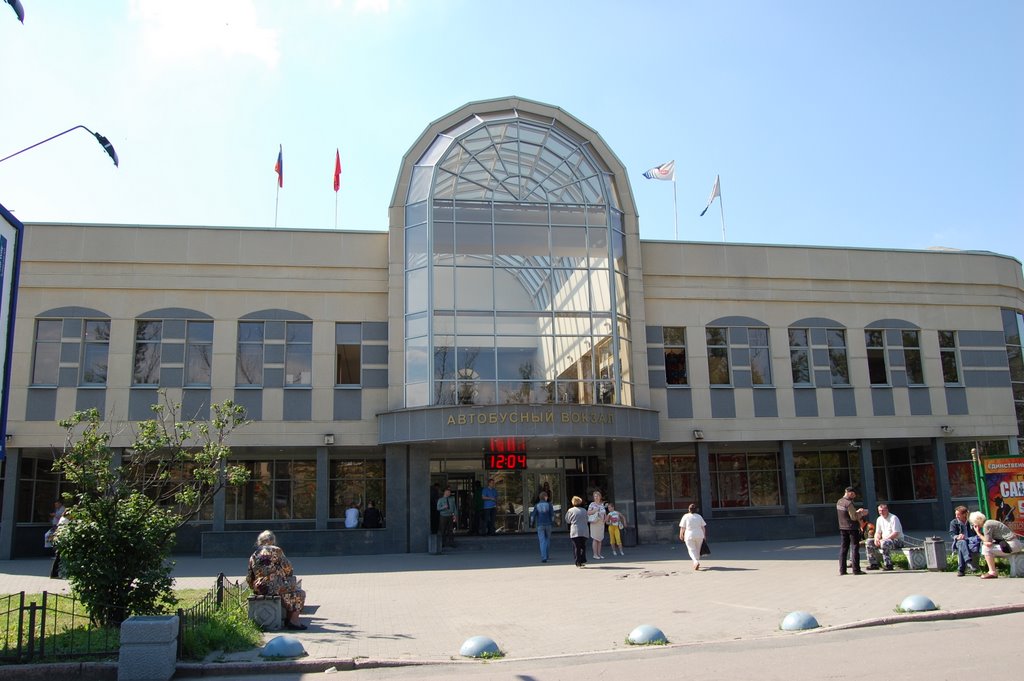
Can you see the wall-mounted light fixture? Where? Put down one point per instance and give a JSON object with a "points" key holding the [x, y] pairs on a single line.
{"points": [[698, 434], [947, 429], [329, 439]]}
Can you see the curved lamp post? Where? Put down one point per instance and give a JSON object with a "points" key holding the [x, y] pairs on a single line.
{"points": [[104, 142]]}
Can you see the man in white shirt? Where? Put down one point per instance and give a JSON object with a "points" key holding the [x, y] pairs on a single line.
{"points": [[888, 536]]}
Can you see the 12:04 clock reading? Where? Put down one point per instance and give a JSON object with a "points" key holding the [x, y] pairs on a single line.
{"points": [[505, 462]]}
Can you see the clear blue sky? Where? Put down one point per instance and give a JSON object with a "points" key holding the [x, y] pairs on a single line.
{"points": [[876, 124]]}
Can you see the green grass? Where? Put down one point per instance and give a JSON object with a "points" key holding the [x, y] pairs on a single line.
{"points": [[229, 629]]}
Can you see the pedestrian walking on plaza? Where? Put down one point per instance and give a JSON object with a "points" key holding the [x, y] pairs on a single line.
{"points": [[849, 530], [579, 531], [692, 532], [543, 517]]}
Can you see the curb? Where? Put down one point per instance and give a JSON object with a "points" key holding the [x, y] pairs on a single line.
{"points": [[930, 616]]}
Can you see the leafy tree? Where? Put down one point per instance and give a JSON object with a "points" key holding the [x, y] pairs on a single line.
{"points": [[122, 519]]}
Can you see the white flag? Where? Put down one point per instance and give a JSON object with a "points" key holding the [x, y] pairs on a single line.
{"points": [[666, 171], [716, 193]]}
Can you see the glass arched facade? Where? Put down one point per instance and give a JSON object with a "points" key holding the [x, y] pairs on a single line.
{"points": [[515, 269]]}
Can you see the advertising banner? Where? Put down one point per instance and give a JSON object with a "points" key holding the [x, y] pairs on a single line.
{"points": [[1004, 491]]}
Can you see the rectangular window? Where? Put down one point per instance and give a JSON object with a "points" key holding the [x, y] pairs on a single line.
{"points": [[906, 474], [95, 347], [348, 353], [146, 369], [676, 482], [799, 356], [838, 360], [249, 367], [298, 362], [198, 353], [282, 489], [912, 356], [1013, 330], [745, 480], [948, 355], [878, 367], [359, 481], [819, 473], [718, 355], [675, 355], [38, 488], [46, 359], [960, 469], [760, 357]]}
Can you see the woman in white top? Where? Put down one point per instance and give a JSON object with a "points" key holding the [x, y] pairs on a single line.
{"points": [[596, 513], [692, 531]]}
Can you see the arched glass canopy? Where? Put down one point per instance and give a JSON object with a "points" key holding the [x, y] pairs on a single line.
{"points": [[515, 269]]}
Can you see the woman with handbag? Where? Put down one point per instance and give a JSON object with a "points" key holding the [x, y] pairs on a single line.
{"points": [[692, 531], [579, 531], [596, 513]]}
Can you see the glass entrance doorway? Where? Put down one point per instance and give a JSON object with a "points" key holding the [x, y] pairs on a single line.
{"points": [[518, 491]]}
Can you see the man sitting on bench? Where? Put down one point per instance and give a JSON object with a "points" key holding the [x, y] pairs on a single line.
{"points": [[888, 536], [966, 543]]}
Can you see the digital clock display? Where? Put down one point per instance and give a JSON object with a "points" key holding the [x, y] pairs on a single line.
{"points": [[505, 454], [505, 462]]}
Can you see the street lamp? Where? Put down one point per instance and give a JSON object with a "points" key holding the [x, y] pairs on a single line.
{"points": [[104, 142]]}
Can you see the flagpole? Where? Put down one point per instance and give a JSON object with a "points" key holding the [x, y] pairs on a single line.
{"points": [[721, 206], [675, 206], [277, 196], [335, 210]]}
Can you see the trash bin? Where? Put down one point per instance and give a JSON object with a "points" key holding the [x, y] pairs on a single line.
{"points": [[935, 553]]}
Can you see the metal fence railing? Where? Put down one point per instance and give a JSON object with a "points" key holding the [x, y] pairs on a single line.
{"points": [[55, 628], [195, 616]]}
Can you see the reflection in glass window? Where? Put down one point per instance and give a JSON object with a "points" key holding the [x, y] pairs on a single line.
{"points": [[878, 366], [95, 348], [298, 354], [675, 355], [948, 357], [282, 489], [676, 483], [838, 359], [718, 355], [799, 356], [357, 481], [46, 355], [820, 473], [905, 473], [519, 275], [912, 356], [38, 488], [348, 353], [1013, 330], [745, 480], [249, 365], [760, 357], [146, 370], [198, 353]]}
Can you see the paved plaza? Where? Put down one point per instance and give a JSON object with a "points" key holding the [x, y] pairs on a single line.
{"points": [[423, 607]]}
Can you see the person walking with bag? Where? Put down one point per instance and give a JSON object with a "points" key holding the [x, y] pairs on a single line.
{"points": [[579, 531], [692, 532]]}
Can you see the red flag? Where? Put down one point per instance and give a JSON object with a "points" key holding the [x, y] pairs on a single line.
{"points": [[337, 170], [279, 166]]}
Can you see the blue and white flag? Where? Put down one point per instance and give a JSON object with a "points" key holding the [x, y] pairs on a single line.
{"points": [[716, 193], [666, 171]]}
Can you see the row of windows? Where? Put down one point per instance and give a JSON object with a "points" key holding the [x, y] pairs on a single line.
{"points": [[723, 342], [189, 344], [747, 480], [282, 489]]}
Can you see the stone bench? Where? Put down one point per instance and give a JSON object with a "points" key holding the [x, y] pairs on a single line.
{"points": [[1016, 561], [267, 612], [916, 558]]}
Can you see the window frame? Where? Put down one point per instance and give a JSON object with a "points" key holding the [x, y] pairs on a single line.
{"points": [[674, 340]]}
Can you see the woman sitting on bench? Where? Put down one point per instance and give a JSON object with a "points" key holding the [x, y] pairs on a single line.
{"points": [[270, 574]]}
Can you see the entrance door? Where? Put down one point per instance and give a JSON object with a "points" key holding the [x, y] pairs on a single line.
{"points": [[550, 481]]}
